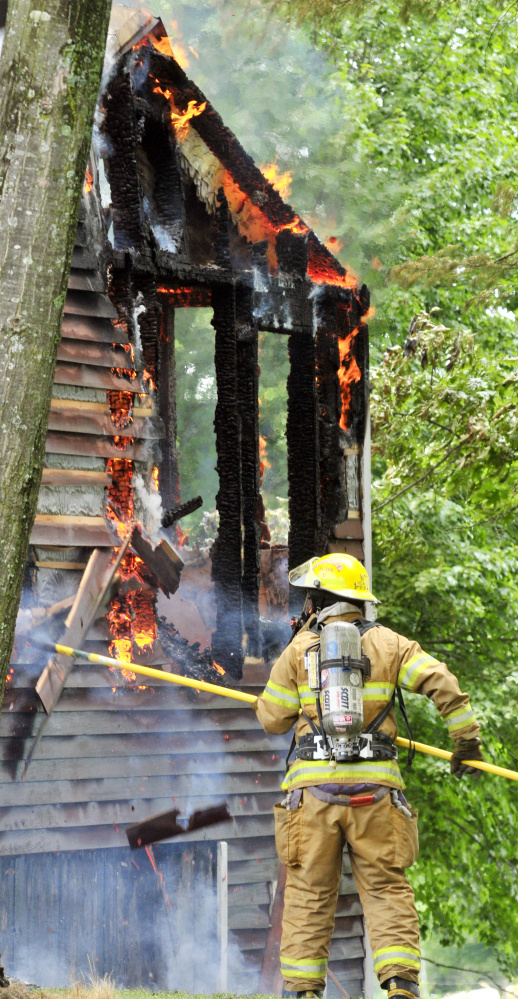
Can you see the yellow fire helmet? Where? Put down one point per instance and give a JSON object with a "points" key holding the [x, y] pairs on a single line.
{"points": [[337, 573]]}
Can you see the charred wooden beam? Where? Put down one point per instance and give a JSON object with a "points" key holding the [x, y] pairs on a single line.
{"points": [[226, 553], [303, 449], [248, 404], [166, 378], [126, 196], [183, 510], [167, 214], [333, 493], [162, 560], [353, 342]]}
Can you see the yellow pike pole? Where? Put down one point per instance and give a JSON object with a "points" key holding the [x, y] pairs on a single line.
{"points": [[240, 695], [156, 674], [445, 755]]}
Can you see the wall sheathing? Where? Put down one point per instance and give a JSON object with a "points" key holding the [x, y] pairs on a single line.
{"points": [[112, 754]]}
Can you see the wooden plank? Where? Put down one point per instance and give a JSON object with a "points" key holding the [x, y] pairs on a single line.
{"points": [[163, 561], [252, 871], [102, 722], [97, 330], [348, 926], [349, 905], [57, 758], [86, 280], [122, 811], [89, 303], [82, 258], [94, 418], [75, 566], [250, 940], [55, 770], [178, 788], [98, 354], [92, 377], [252, 916], [74, 477], [100, 837], [101, 408], [346, 949], [136, 697], [56, 529], [97, 577], [84, 444], [248, 894]]}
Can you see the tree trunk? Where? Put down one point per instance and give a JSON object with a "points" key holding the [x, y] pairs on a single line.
{"points": [[50, 72]]}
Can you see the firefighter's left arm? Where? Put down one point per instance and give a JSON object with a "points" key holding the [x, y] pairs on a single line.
{"points": [[422, 674], [278, 706]]}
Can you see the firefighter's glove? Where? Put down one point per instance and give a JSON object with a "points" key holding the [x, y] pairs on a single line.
{"points": [[466, 749]]}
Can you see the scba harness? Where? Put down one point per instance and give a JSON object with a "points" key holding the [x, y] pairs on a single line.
{"points": [[336, 669]]}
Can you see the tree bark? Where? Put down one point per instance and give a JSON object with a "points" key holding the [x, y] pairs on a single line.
{"points": [[50, 71]]}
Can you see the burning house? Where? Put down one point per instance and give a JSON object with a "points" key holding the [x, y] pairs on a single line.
{"points": [[174, 214]]}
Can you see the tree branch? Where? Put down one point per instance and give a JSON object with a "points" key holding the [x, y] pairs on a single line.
{"points": [[420, 479], [470, 971]]}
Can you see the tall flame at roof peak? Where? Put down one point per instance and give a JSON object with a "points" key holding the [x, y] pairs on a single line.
{"points": [[280, 181]]}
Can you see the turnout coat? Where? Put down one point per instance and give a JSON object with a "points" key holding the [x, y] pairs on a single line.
{"points": [[395, 660]]}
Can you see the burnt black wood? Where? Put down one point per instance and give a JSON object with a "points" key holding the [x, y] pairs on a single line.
{"points": [[226, 557], [248, 403], [303, 450]]}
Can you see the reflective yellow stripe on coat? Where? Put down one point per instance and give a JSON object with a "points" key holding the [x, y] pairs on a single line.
{"points": [[459, 719], [411, 670], [305, 772], [286, 697]]}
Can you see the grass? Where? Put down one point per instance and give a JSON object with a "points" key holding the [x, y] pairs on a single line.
{"points": [[100, 988]]}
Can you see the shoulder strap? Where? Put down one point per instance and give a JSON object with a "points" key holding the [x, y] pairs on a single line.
{"points": [[363, 625]]}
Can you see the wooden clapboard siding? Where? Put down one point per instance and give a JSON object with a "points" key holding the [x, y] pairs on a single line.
{"points": [[74, 443], [100, 908], [89, 303], [91, 377], [54, 529], [99, 354], [99, 330], [111, 756]]}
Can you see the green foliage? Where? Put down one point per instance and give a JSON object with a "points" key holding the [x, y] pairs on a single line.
{"points": [[446, 564]]}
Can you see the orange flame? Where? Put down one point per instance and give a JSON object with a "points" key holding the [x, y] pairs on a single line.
{"points": [[89, 181], [219, 668], [181, 121], [348, 374], [280, 181], [263, 457], [121, 408], [154, 478], [148, 381]]}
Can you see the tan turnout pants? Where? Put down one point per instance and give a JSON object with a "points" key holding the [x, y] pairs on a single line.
{"points": [[382, 842]]}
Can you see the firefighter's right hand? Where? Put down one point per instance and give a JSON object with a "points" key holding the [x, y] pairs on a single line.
{"points": [[466, 749]]}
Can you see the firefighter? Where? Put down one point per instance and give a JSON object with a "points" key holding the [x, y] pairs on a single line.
{"points": [[359, 802]]}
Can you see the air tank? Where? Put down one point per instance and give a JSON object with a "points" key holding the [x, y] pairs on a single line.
{"points": [[341, 679]]}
